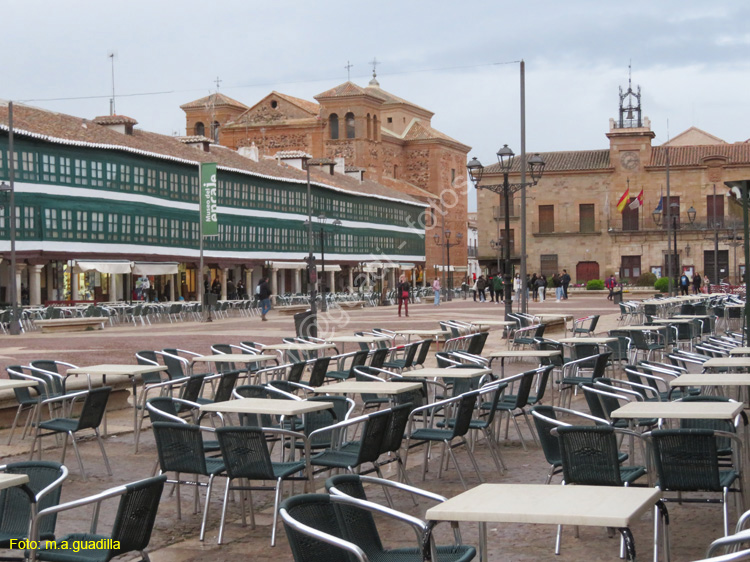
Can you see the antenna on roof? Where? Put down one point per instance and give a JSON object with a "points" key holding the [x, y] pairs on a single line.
{"points": [[112, 55], [374, 62], [348, 68]]}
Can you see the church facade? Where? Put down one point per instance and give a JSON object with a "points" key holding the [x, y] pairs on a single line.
{"points": [[366, 132], [603, 212]]}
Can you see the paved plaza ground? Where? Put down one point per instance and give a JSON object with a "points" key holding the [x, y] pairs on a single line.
{"points": [[693, 526]]}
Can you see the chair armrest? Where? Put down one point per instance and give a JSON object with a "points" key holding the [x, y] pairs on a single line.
{"points": [[419, 526], [73, 396], [349, 547]]}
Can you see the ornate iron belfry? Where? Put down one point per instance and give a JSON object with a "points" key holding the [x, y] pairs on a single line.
{"points": [[630, 106]]}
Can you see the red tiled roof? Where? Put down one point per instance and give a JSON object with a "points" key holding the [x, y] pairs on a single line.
{"points": [[60, 128], [309, 106], [738, 153], [389, 98], [421, 131], [217, 99], [562, 161], [342, 90]]}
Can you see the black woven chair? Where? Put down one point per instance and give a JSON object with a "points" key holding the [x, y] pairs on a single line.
{"points": [[170, 409], [180, 449], [590, 457], [514, 405], [569, 383], [90, 417], [358, 524], [463, 411], [424, 350], [342, 372], [319, 370], [131, 532], [245, 453], [687, 460], [18, 510], [401, 365], [26, 401]]}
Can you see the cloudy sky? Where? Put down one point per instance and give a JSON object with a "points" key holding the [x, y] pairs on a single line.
{"points": [[459, 60]]}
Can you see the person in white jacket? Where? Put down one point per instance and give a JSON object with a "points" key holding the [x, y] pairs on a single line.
{"points": [[436, 288]]}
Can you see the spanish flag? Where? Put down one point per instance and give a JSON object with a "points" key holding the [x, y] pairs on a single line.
{"points": [[623, 200]]}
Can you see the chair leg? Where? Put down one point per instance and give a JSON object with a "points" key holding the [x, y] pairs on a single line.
{"points": [[15, 421], [104, 452], [455, 463], [276, 501], [494, 450], [473, 460], [77, 452], [205, 507], [224, 511]]}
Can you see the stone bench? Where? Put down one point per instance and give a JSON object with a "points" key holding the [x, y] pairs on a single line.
{"points": [[71, 324], [291, 309]]}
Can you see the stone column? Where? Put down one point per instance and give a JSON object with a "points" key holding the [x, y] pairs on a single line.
{"points": [[223, 275], [249, 287], [297, 284], [73, 286], [331, 281], [351, 279], [274, 284], [282, 281], [113, 286], [19, 271], [50, 277], [172, 284], [35, 284]]}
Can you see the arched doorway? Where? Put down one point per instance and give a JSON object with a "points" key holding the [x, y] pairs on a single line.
{"points": [[586, 271]]}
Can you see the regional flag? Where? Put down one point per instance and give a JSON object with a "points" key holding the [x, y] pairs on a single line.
{"points": [[623, 200], [637, 202]]}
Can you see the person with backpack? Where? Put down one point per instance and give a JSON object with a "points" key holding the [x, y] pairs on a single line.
{"points": [[684, 284], [610, 284], [499, 287], [403, 294]]}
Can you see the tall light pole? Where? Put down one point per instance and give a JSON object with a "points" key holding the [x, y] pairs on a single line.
{"points": [[312, 276], [15, 322], [734, 240], [674, 213], [447, 245], [323, 234], [505, 158]]}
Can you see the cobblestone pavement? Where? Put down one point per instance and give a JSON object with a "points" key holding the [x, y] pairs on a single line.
{"points": [[693, 526]]}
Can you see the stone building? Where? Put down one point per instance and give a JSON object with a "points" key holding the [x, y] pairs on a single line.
{"points": [[366, 131], [573, 218], [100, 203]]}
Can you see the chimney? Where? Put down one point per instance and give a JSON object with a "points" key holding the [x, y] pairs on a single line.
{"points": [[355, 172], [197, 141], [118, 123], [293, 158], [340, 166]]}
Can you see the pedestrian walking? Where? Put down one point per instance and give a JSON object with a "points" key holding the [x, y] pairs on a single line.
{"points": [[541, 287], [534, 287], [697, 282], [264, 296], [491, 287], [610, 284], [499, 288], [436, 289], [684, 284], [481, 286], [403, 294], [557, 284]]}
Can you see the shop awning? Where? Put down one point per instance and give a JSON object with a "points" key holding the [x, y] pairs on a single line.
{"points": [[103, 266], [155, 267], [406, 265], [444, 268], [374, 266], [302, 265]]}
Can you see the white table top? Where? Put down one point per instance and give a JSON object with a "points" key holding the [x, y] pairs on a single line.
{"points": [[600, 340], [298, 346], [727, 362], [645, 328], [492, 323], [8, 384], [425, 333], [271, 406], [10, 480], [523, 353], [434, 372], [368, 387], [357, 339], [544, 315], [692, 316], [712, 379], [679, 410], [233, 358], [108, 370], [740, 351], [606, 506], [672, 320]]}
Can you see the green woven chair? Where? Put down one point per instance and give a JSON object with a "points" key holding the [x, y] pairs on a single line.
{"points": [[358, 524], [17, 509], [180, 449], [246, 456], [357, 359], [90, 417], [26, 401], [687, 460], [401, 365], [131, 531], [319, 370]]}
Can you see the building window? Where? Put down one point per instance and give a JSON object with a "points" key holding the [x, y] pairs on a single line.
{"points": [[97, 226], [630, 217], [50, 222], [715, 211], [630, 268], [375, 128], [200, 129], [333, 125], [548, 264], [546, 218], [390, 119], [49, 170], [349, 125], [586, 217], [499, 210], [81, 172], [675, 212], [215, 131], [369, 126]]}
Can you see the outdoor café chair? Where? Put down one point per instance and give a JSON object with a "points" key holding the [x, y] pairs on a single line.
{"points": [[90, 417], [359, 523], [131, 531], [246, 457], [19, 506], [26, 400]]}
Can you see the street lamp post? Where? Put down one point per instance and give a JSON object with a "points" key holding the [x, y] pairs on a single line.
{"points": [[674, 209], [9, 188], [323, 234], [734, 240], [447, 244], [505, 158]]}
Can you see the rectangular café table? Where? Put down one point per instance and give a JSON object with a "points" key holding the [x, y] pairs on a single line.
{"points": [[285, 347], [445, 373], [9, 384], [114, 370], [739, 380], [735, 362], [271, 406], [678, 410], [356, 339], [368, 387], [425, 334], [244, 358], [600, 506], [520, 354], [739, 351]]}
